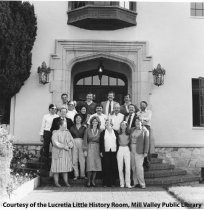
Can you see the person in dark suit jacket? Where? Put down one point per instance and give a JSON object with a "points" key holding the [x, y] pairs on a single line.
{"points": [[124, 108], [109, 144], [130, 117], [109, 104], [55, 123]]}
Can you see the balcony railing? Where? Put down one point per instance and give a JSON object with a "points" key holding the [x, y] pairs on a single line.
{"points": [[102, 15]]}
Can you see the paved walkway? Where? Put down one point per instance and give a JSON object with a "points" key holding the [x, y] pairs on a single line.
{"points": [[101, 197]]}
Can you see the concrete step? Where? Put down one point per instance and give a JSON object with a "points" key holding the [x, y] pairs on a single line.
{"points": [[162, 181], [41, 165], [161, 166], [166, 181], [156, 160], [164, 173], [147, 174], [154, 155]]}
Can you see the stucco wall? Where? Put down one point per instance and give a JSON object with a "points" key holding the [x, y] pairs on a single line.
{"points": [[175, 41]]}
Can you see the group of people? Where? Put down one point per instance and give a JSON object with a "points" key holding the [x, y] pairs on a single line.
{"points": [[87, 137]]}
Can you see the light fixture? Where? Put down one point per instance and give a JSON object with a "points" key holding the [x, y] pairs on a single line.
{"points": [[43, 73], [158, 75], [100, 71]]}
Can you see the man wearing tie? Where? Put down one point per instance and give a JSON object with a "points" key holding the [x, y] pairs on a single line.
{"points": [[109, 104], [55, 123], [130, 117]]}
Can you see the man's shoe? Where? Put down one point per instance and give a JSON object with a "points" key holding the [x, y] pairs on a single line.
{"points": [[129, 186], [140, 186], [75, 178]]}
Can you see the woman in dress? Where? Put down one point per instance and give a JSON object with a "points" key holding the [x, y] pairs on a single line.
{"points": [[91, 150], [61, 153], [123, 155], [77, 131], [139, 145]]}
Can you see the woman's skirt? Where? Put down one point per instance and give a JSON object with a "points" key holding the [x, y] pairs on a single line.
{"points": [[93, 157], [62, 164]]}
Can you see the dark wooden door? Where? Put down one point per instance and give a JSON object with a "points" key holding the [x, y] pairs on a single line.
{"points": [[100, 93], [100, 89]]}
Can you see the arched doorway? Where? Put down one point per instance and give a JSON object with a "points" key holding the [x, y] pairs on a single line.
{"points": [[89, 81]]}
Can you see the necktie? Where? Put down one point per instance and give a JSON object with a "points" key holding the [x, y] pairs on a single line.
{"points": [[109, 108], [129, 119]]}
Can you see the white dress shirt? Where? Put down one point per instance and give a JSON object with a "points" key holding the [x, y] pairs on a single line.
{"points": [[126, 107], [116, 120], [145, 116], [110, 141], [101, 117], [107, 107], [71, 114], [47, 122]]}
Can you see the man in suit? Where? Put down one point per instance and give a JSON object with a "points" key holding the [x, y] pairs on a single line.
{"points": [[55, 123], [131, 116], [145, 116], [124, 108], [109, 104]]}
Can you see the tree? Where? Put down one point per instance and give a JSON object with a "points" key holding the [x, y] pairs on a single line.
{"points": [[18, 27]]}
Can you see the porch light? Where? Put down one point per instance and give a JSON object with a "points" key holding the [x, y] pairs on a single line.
{"points": [[43, 73], [100, 71], [158, 75]]}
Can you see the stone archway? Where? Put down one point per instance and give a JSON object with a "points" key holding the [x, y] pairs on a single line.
{"points": [[113, 72], [69, 53]]}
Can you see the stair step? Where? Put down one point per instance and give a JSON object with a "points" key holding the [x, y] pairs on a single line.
{"points": [[156, 160], [154, 155], [161, 166], [165, 181], [164, 173]]}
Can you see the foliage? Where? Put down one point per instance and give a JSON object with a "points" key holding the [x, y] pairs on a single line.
{"points": [[6, 153], [6, 144], [19, 177], [18, 26]]}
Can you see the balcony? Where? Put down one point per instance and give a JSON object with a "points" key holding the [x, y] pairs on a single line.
{"points": [[102, 15]]}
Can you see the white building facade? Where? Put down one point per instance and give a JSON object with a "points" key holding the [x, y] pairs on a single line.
{"points": [[165, 33]]}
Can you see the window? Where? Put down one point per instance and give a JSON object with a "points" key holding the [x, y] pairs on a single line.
{"points": [[105, 81], [197, 9], [198, 102]]}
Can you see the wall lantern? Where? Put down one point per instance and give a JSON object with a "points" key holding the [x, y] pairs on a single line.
{"points": [[158, 75], [100, 71], [43, 73]]}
